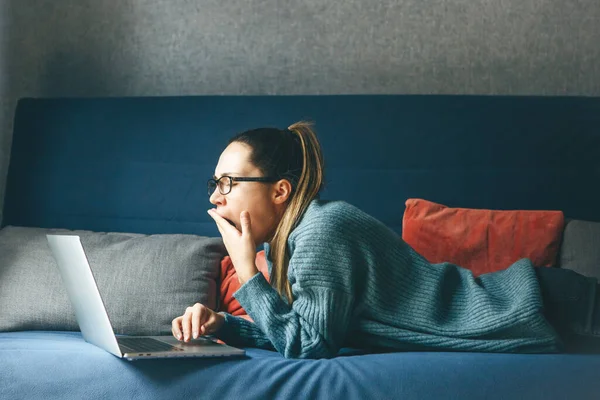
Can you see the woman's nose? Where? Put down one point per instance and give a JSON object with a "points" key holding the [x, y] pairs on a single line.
{"points": [[216, 197]]}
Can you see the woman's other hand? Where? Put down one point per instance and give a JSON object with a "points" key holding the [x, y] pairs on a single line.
{"points": [[197, 320]]}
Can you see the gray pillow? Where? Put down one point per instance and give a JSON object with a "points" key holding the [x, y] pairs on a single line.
{"points": [[580, 248], [144, 280]]}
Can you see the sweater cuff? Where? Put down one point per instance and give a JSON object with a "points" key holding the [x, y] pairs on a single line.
{"points": [[234, 330], [230, 329], [254, 289]]}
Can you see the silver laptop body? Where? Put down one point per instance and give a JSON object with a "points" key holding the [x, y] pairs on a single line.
{"points": [[93, 319]]}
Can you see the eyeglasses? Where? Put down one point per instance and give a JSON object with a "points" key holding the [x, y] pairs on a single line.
{"points": [[225, 182]]}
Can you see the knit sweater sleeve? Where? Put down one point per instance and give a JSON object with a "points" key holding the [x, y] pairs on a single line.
{"points": [[238, 331], [315, 325]]}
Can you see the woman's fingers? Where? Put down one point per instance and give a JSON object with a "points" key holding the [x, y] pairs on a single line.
{"points": [[220, 221], [192, 320], [186, 324], [198, 317], [246, 224], [197, 320], [176, 328]]}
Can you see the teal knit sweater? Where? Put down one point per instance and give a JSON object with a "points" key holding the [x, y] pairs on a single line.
{"points": [[356, 283]]}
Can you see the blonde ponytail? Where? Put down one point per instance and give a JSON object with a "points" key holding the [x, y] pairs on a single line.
{"points": [[310, 183]]}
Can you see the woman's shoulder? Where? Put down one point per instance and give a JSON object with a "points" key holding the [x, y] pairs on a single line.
{"points": [[336, 209], [329, 206], [337, 227], [331, 216]]}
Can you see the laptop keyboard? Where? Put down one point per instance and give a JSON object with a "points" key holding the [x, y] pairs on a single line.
{"points": [[146, 345]]}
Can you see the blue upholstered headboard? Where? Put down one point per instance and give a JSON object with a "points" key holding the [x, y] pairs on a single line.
{"points": [[140, 164]]}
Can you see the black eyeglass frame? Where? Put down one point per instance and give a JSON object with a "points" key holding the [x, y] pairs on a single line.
{"points": [[215, 182]]}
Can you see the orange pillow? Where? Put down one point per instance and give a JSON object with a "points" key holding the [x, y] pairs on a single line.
{"points": [[230, 284], [482, 240]]}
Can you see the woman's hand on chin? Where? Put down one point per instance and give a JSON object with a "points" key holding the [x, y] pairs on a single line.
{"points": [[240, 245]]}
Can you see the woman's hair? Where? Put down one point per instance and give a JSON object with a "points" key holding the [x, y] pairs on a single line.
{"points": [[293, 154]]}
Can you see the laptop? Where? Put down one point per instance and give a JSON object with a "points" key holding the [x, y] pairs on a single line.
{"points": [[94, 322]]}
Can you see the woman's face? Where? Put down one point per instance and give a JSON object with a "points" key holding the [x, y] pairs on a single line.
{"points": [[264, 201]]}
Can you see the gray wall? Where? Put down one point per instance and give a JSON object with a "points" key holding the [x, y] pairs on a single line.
{"points": [[153, 47]]}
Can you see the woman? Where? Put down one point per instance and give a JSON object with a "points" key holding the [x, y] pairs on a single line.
{"points": [[340, 278]]}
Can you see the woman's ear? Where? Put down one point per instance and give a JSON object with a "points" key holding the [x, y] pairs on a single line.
{"points": [[282, 191]]}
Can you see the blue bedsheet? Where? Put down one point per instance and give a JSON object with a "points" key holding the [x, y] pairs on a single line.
{"points": [[35, 365]]}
